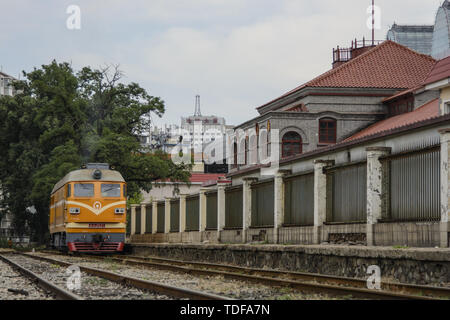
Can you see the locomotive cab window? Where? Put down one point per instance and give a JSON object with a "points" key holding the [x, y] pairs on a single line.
{"points": [[84, 190], [110, 190], [69, 191]]}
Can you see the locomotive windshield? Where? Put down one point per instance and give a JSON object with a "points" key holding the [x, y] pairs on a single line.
{"points": [[110, 190], [84, 190]]}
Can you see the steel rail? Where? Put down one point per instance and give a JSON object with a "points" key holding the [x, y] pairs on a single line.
{"points": [[294, 279], [160, 288], [312, 282], [59, 292]]}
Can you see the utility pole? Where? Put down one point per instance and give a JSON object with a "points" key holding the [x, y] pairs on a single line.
{"points": [[373, 22]]}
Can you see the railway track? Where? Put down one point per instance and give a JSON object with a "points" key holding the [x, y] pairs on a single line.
{"points": [[305, 282], [394, 290], [161, 289], [57, 291]]}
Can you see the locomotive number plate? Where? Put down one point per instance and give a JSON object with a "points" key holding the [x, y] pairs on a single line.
{"points": [[96, 225]]}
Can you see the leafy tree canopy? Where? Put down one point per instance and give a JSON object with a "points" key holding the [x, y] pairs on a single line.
{"points": [[61, 119]]}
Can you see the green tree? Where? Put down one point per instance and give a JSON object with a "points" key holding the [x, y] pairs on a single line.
{"points": [[61, 119]]}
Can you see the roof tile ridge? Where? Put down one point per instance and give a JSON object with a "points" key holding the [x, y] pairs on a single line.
{"points": [[423, 55], [351, 61]]}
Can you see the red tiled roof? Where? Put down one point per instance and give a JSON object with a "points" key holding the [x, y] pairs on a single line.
{"points": [[387, 66], [198, 177], [440, 71], [427, 111], [401, 93], [204, 177]]}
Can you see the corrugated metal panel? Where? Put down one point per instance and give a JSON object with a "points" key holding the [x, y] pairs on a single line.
{"points": [[348, 194], [160, 220], [211, 210], [263, 204], [192, 213], [299, 200], [175, 215], [233, 207], [414, 186], [138, 220], [148, 218]]}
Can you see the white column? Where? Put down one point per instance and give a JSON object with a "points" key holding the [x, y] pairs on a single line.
{"points": [[182, 212], [133, 219], [376, 189], [320, 197], [221, 185], [143, 211], [278, 193], [445, 186], [247, 206], [167, 215], [154, 216], [202, 209]]}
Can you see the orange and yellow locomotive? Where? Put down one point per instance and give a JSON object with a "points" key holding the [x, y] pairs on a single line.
{"points": [[88, 210]]}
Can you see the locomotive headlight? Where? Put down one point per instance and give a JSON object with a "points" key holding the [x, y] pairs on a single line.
{"points": [[119, 210], [74, 210]]}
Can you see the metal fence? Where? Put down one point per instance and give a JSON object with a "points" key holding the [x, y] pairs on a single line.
{"points": [[192, 213], [211, 210], [262, 204], [138, 220], [414, 193], [148, 218], [347, 188], [233, 207], [299, 200], [175, 215], [161, 215]]}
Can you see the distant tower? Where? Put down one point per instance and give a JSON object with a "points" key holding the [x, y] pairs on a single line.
{"points": [[197, 112]]}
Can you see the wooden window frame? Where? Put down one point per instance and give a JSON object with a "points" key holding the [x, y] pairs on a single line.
{"points": [[327, 131], [291, 141]]}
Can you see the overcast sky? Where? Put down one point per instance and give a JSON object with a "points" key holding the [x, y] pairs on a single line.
{"points": [[237, 54]]}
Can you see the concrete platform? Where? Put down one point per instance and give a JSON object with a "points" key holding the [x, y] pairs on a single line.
{"points": [[407, 265]]}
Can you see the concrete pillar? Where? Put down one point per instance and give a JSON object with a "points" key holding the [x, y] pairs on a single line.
{"points": [[183, 212], [278, 202], [445, 186], [133, 219], [167, 215], [221, 185], [154, 216], [377, 189], [143, 216], [247, 206], [320, 197], [202, 209]]}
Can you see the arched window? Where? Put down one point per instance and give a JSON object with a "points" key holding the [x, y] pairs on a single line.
{"points": [[327, 130], [291, 144], [235, 155]]}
